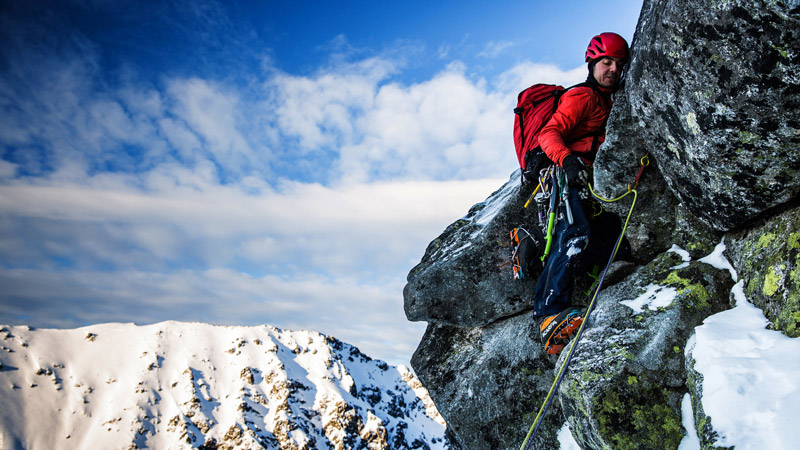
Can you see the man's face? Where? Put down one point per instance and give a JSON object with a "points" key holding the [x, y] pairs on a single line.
{"points": [[607, 71]]}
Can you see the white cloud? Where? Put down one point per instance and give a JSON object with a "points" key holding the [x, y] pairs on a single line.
{"points": [[445, 128], [350, 122], [448, 127], [214, 113], [177, 215], [526, 74], [319, 110]]}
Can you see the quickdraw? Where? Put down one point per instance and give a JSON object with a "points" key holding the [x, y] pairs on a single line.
{"points": [[645, 161]]}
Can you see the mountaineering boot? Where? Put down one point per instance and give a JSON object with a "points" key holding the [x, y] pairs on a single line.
{"points": [[555, 330]]}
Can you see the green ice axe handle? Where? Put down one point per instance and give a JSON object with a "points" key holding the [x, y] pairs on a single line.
{"points": [[549, 237]]}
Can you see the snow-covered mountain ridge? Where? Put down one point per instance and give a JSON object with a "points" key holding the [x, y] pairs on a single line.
{"points": [[192, 385]]}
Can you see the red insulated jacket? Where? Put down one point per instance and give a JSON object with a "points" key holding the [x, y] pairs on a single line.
{"points": [[581, 112]]}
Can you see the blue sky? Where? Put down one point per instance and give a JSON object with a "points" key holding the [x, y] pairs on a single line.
{"points": [[258, 162]]}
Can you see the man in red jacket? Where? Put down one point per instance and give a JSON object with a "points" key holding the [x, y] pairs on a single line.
{"points": [[570, 139]]}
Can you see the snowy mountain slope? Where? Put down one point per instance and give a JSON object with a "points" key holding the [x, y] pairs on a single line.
{"points": [[192, 385]]}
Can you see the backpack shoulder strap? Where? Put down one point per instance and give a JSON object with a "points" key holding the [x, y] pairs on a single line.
{"points": [[606, 99]]}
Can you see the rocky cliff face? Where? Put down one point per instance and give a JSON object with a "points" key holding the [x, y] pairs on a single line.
{"points": [[712, 94]]}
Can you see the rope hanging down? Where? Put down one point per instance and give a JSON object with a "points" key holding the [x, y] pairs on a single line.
{"points": [[645, 161]]}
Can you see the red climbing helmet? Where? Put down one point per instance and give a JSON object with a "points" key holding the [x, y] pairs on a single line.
{"points": [[607, 44]]}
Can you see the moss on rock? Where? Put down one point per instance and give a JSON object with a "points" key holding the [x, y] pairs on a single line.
{"points": [[767, 259], [637, 418], [692, 293]]}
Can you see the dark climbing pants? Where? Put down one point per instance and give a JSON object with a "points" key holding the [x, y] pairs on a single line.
{"points": [[554, 288], [589, 241]]}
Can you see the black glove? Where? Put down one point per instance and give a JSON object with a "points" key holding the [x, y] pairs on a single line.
{"points": [[535, 161], [577, 172]]}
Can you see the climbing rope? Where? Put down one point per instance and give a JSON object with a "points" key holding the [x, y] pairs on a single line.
{"points": [[645, 161]]}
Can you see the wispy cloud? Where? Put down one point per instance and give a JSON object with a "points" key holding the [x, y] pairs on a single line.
{"points": [[306, 256], [494, 49], [181, 214], [213, 114]]}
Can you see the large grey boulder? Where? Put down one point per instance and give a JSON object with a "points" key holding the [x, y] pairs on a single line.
{"points": [[617, 166], [464, 278], [489, 382], [713, 92]]}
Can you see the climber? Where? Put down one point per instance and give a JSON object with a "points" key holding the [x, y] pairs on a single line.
{"points": [[582, 111]]}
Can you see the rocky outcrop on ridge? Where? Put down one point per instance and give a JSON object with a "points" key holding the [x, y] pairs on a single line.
{"points": [[712, 95], [460, 267]]}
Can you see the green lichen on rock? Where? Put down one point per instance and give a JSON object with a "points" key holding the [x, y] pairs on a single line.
{"points": [[691, 292], [794, 241], [767, 258], [627, 378], [771, 280], [789, 316], [765, 240], [640, 417]]}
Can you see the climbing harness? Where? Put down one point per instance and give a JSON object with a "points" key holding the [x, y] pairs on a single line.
{"points": [[644, 161], [551, 191]]}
